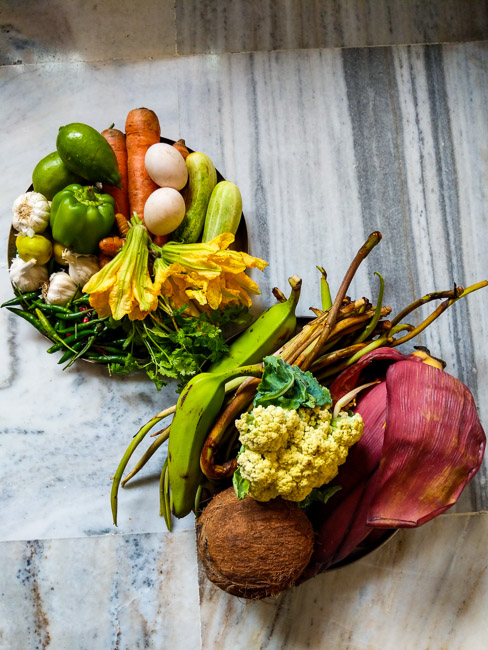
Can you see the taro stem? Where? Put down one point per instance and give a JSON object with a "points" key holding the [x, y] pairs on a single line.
{"points": [[150, 451], [363, 252], [136, 440], [457, 294]]}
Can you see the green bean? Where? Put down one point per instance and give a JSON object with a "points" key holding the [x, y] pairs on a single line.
{"points": [[30, 318], [23, 297]]}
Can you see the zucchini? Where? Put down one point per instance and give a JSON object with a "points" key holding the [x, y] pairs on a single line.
{"points": [[224, 211], [202, 178]]}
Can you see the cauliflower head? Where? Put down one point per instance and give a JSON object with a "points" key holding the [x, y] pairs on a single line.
{"points": [[289, 452]]}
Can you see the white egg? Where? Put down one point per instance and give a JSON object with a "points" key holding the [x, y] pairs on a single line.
{"points": [[166, 166], [164, 211]]}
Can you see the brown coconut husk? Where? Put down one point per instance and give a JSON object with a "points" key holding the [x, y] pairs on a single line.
{"points": [[252, 549]]}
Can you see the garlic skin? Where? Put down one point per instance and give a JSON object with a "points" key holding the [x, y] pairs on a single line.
{"points": [[27, 276], [31, 210], [81, 267], [61, 289]]}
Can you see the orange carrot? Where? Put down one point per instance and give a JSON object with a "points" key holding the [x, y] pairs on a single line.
{"points": [[116, 140], [180, 146], [122, 224], [104, 259], [159, 240], [111, 245], [141, 130]]}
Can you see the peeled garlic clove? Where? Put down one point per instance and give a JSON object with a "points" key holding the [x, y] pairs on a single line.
{"points": [[31, 210]]}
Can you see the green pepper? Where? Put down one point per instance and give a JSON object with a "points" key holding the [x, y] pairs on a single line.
{"points": [[81, 216]]}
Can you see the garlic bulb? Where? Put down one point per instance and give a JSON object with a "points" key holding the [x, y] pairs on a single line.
{"points": [[61, 289], [81, 267], [27, 276], [31, 210]]}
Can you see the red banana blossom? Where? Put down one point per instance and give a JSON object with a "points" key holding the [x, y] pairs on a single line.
{"points": [[422, 444]]}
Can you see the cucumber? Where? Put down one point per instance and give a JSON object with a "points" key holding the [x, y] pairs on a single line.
{"points": [[202, 178], [224, 211]]}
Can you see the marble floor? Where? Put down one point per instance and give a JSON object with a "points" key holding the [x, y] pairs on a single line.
{"points": [[328, 138]]}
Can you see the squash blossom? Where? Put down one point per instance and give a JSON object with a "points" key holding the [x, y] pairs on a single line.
{"points": [[124, 287], [209, 273]]}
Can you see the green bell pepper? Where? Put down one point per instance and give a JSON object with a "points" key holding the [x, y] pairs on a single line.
{"points": [[80, 217]]}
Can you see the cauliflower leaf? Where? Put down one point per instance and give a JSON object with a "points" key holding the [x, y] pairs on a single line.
{"points": [[289, 387]]}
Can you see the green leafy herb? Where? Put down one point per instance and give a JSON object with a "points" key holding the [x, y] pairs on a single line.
{"points": [[289, 387], [174, 346]]}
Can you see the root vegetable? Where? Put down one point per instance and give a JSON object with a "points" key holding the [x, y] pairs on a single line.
{"points": [[142, 130], [116, 140], [164, 210], [252, 549]]}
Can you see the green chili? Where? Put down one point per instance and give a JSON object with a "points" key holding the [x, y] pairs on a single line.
{"points": [[79, 354], [30, 318], [75, 314], [50, 331], [81, 326], [23, 297], [51, 309]]}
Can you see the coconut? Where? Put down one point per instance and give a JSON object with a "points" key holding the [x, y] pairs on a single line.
{"points": [[253, 549]]}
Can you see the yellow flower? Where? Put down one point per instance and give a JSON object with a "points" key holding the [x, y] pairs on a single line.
{"points": [[209, 273], [123, 286]]}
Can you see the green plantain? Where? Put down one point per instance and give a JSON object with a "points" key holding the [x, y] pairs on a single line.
{"points": [[196, 410], [267, 334]]}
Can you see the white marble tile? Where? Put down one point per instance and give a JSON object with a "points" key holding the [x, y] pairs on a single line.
{"points": [[127, 592], [59, 31], [208, 27], [426, 589]]}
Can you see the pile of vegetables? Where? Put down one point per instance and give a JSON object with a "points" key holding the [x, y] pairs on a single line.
{"points": [[295, 450], [298, 451], [125, 252]]}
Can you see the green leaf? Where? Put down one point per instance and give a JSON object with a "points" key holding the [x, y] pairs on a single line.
{"points": [[289, 387], [319, 494], [241, 485]]}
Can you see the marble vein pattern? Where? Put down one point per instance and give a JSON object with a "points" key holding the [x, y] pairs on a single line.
{"points": [[211, 26], [80, 31], [110, 591], [425, 589], [326, 146], [58, 31]]}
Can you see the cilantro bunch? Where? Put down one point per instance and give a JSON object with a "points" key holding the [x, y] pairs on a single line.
{"points": [[175, 346]]}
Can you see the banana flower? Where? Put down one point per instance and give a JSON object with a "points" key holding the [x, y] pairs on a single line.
{"points": [[124, 286], [422, 444], [209, 274]]}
